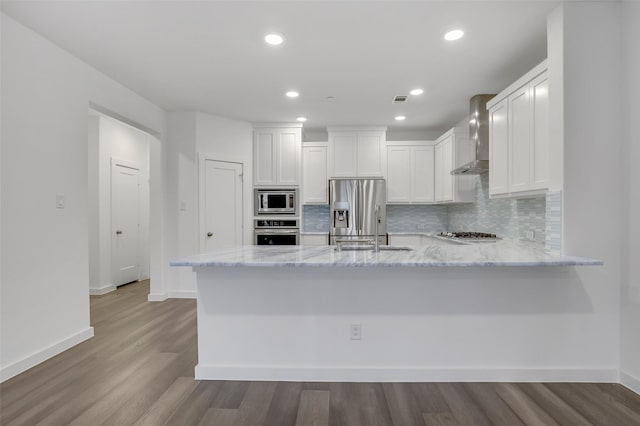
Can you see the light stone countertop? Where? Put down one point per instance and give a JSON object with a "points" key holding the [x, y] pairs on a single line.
{"points": [[501, 253]]}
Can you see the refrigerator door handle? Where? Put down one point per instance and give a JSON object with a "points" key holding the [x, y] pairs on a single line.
{"points": [[357, 198]]}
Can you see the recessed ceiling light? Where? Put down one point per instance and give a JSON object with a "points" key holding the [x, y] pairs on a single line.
{"points": [[400, 117], [274, 39], [417, 92], [292, 94], [301, 119], [454, 35]]}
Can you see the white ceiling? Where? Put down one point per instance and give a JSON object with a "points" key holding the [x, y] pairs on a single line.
{"points": [[210, 56]]}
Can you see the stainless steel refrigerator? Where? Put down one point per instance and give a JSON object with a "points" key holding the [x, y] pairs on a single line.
{"points": [[353, 209]]}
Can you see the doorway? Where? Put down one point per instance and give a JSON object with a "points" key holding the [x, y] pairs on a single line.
{"points": [[119, 249], [222, 212]]}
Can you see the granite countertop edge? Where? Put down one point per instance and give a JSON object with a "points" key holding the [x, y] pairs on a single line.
{"points": [[504, 253]]}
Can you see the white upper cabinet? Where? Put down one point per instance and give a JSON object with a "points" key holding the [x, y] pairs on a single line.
{"points": [[410, 172], [369, 153], [356, 152], [540, 137], [520, 132], [343, 149], [519, 137], [314, 173], [276, 156], [499, 149], [399, 174], [454, 149], [422, 167], [264, 159]]}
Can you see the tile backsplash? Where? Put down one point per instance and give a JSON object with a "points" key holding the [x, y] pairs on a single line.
{"points": [[553, 241], [416, 218], [315, 218], [400, 218], [508, 218]]}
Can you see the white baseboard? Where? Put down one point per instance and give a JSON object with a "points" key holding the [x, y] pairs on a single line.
{"points": [[36, 358], [182, 295], [157, 297], [339, 374], [102, 290], [630, 381]]}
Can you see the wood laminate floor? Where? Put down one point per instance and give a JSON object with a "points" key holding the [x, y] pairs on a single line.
{"points": [[138, 370]]}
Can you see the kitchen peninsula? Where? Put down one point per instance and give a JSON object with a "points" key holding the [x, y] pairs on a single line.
{"points": [[437, 312]]}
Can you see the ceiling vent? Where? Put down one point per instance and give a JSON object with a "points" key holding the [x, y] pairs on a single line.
{"points": [[400, 99]]}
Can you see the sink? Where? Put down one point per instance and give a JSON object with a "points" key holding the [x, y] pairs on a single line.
{"points": [[355, 247], [395, 248]]}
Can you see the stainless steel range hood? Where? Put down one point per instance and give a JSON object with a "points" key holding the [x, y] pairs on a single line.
{"points": [[479, 135]]}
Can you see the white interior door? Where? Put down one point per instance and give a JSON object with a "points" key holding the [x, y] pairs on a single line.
{"points": [[125, 223], [223, 212]]}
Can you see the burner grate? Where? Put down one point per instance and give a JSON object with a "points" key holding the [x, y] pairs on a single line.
{"points": [[469, 235]]}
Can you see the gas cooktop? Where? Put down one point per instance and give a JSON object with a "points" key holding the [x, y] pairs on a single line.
{"points": [[469, 236]]}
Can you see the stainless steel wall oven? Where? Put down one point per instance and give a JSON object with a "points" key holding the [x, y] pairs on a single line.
{"points": [[276, 232]]}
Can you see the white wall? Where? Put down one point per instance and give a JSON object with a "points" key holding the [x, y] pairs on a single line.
{"points": [[180, 187], [193, 135], [230, 140], [393, 134], [630, 319], [592, 135], [110, 139], [45, 264]]}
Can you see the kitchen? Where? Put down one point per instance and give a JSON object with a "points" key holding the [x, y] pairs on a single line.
{"points": [[362, 263], [603, 321]]}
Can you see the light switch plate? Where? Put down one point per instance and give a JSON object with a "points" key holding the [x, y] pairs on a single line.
{"points": [[60, 201], [355, 331]]}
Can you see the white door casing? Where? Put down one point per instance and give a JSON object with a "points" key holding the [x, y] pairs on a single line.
{"points": [[222, 215], [125, 222]]}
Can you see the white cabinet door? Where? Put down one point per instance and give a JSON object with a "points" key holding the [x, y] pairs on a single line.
{"points": [[264, 157], [540, 136], [438, 172], [314, 174], [499, 149], [447, 166], [410, 173], [369, 153], [356, 153], [520, 140], [343, 151], [288, 157], [276, 156], [423, 184], [399, 174]]}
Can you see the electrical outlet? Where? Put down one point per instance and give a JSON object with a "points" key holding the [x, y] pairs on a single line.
{"points": [[421, 226], [355, 331], [60, 201], [529, 235]]}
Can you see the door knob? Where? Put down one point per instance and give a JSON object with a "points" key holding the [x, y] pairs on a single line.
{"points": [[209, 234], [118, 232]]}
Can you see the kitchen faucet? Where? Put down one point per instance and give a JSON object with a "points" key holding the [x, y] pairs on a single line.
{"points": [[376, 244]]}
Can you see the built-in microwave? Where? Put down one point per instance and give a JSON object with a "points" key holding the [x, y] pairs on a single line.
{"points": [[275, 201]]}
